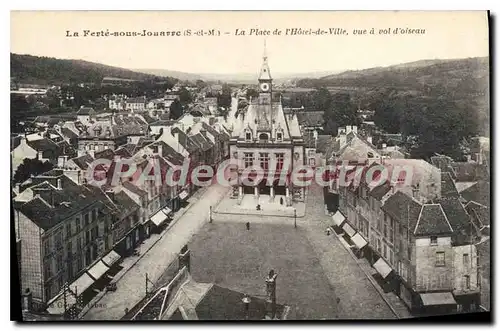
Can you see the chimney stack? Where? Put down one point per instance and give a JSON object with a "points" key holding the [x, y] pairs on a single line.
{"points": [[59, 184]]}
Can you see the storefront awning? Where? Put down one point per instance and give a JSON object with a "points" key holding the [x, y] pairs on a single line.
{"points": [[56, 306], [348, 229], [158, 218], [437, 299], [111, 258], [359, 241], [166, 210], [382, 268], [97, 270], [338, 218], [183, 195], [81, 284]]}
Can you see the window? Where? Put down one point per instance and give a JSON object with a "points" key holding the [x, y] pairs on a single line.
{"points": [[47, 270], [440, 259], [263, 137], [68, 230], [59, 262], [467, 282], [385, 250], [248, 159], [79, 244], [466, 259], [77, 223], [94, 217], [312, 162], [86, 217], [378, 245], [46, 246], [58, 240], [391, 256], [248, 135], [79, 262], [279, 136], [434, 240], [264, 160], [69, 250], [280, 160]]}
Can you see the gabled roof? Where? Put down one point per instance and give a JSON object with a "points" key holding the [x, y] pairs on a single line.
{"points": [[479, 192], [185, 140], [107, 154], [432, 221], [169, 153], [42, 145], [66, 132], [403, 208], [480, 212], [83, 161], [202, 142], [85, 111], [455, 213], [134, 189], [378, 192], [448, 188]]}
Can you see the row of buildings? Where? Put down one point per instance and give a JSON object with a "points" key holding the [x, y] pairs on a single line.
{"points": [[72, 235], [420, 228]]}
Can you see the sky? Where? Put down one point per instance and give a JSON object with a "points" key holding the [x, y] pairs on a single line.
{"points": [[447, 35]]}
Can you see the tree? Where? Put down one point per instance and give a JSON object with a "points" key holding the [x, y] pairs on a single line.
{"points": [[31, 167], [252, 93], [224, 99], [185, 96], [340, 110], [176, 110]]}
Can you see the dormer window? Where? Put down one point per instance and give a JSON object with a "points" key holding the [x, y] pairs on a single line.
{"points": [[279, 136], [248, 135], [263, 137]]}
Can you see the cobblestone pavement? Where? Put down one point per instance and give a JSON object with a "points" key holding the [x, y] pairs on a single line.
{"points": [[131, 287], [357, 298]]}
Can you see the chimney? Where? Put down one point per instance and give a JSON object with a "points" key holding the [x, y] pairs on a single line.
{"points": [[27, 300], [369, 139], [59, 184], [384, 146], [354, 129], [160, 149]]}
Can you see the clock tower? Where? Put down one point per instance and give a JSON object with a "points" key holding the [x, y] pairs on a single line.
{"points": [[265, 82]]}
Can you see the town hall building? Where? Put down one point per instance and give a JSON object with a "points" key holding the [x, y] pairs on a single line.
{"points": [[270, 143]]}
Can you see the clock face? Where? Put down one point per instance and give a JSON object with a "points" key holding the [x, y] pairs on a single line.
{"points": [[264, 87]]}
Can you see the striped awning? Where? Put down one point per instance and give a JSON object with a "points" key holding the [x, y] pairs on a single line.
{"points": [[111, 258], [359, 241], [183, 195], [437, 299], [338, 218], [348, 229], [382, 268], [97, 270]]}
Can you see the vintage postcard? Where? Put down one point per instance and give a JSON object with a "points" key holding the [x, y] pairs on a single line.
{"points": [[299, 165]]}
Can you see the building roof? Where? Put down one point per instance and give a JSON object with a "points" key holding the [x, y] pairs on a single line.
{"points": [[403, 208], [85, 111], [448, 188], [83, 161], [479, 192], [68, 133], [107, 154], [136, 100], [201, 141], [185, 140], [134, 189], [480, 212], [455, 213], [310, 118], [51, 205], [42, 145], [378, 192], [14, 142], [322, 143], [432, 221]]}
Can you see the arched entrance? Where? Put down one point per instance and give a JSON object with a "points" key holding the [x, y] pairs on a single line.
{"points": [[264, 189], [279, 189]]}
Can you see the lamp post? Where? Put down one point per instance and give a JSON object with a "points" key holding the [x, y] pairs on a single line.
{"points": [[246, 300], [295, 218]]}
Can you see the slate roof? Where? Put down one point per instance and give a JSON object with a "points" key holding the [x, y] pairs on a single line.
{"points": [[441, 162], [210, 129], [378, 192], [469, 171], [123, 152], [456, 214], [134, 189], [432, 221], [202, 142], [14, 142], [107, 154], [124, 203], [83, 161], [322, 143], [480, 212], [403, 208], [52, 206], [129, 147], [479, 192], [170, 154], [310, 118], [85, 111], [448, 188], [66, 132], [42, 145], [185, 140], [136, 100]]}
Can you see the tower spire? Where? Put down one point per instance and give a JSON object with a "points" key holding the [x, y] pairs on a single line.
{"points": [[265, 51]]}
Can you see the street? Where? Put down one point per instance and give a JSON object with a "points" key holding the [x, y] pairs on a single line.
{"points": [[131, 287]]}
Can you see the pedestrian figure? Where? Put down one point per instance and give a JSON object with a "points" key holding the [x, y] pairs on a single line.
{"points": [[281, 201], [248, 225], [258, 207], [328, 231]]}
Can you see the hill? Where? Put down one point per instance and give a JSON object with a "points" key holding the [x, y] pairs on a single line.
{"points": [[29, 69]]}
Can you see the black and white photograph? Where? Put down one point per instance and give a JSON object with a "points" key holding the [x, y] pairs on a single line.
{"points": [[250, 165]]}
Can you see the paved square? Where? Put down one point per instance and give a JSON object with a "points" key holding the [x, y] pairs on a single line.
{"points": [[230, 256]]}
